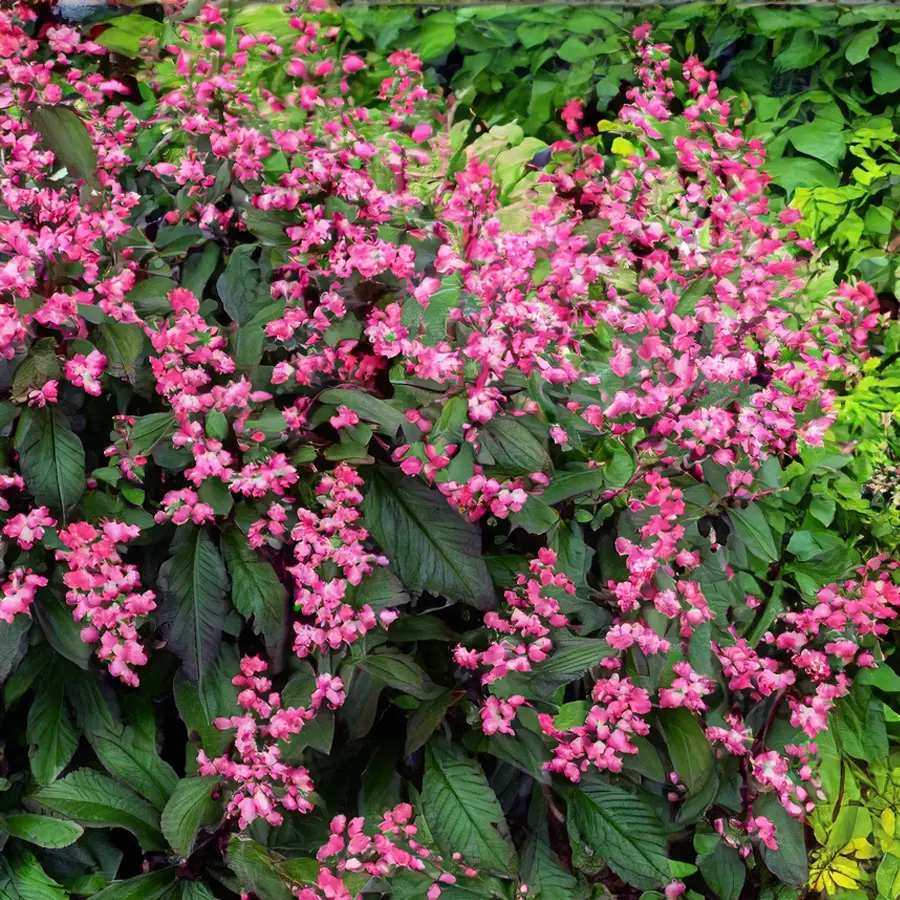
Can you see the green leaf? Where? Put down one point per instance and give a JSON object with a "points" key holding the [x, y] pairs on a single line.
{"points": [[63, 132], [819, 139], [63, 633], [436, 36], [122, 344], [255, 588], [193, 586], [256, 869], [861, 43], [51, 458], [152, 886], [13, 640], [885, 72], [433, 547], [795, 172], [242, 286], [807, 545], [96, 801], [516, 451], [463, 813], [45, 831], [692, 757], [127, 751], [724, 871], [198, 267], [789, 861], [535, 516], [401, 672], [50, 733], [190, 807], [425, 721], [753, 528], [150, 431], [569, 663], [804, 50], [611, 825], [568, 483], [367, 407], [22, 878]]}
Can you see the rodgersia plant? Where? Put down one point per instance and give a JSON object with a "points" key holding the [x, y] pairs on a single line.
{"points": [[384, 517]]}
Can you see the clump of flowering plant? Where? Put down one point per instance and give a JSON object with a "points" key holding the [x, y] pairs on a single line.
{"points": [[511, 474]]}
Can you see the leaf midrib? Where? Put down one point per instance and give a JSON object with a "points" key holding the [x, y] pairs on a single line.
{"points": [[420, 525]]}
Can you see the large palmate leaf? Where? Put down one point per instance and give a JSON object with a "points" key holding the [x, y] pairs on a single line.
{"points": [[193, 586], [95, 801], [256, 590], [463, 813], [50, 733], [432, 547], [609, 825], [51, 457]]}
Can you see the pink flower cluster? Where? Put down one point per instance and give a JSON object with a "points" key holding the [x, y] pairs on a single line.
{"points": [[104, 593], [264, 785], [393, 846], [616, 716], [533, 612]]}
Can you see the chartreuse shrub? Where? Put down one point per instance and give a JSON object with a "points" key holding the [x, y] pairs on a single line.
{"points": [[820, 84], [380, 521]]}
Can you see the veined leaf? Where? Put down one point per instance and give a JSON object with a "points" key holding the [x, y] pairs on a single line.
{"points": [[401, 672], [188, 810], [432, 546], [367, 407], [463, 813], [51, 457], [50, 733], [255, 588], [44, 831], [63, 132], [157, 885], [516, 451], [194, 584], [751, 525], [96, 801], [607, 824]]}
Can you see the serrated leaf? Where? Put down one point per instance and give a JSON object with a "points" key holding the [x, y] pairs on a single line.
{"points": [[152, 886], [256, 869], [63, 132], [242, 286], [569, 663], [255, 588], [190, 807], [568, 483], [193, 586], [433, 547], [724, 871], [401, 672], [44, 831], [22, 878], [51, 458], [753, 528], [611, 825], [95, 801], [127, 751], [516, 451], [50, 732], [463, 813]]}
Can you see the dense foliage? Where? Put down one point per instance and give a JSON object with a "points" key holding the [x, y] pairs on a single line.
{"points": [[402, 503]]}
